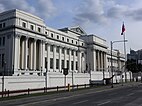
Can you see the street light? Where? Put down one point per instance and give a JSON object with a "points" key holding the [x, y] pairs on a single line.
{"points": [[111, 57], [3, 74]]}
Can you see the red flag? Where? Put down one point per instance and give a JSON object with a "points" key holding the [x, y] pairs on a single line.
{"points": [[123, 29]]}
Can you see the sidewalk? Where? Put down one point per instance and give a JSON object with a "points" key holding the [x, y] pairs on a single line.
{"points": [[66, 94]]}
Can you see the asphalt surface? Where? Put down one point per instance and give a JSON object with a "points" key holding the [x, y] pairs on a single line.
{"points": [[127, 95]]}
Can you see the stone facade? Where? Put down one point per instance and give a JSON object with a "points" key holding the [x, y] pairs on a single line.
{"points": [[29, 47]]}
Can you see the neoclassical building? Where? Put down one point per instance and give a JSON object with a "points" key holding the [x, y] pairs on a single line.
{"points": [[29, 47]]}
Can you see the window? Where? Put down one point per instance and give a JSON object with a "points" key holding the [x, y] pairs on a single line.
{"points": [[76, 65], [57, 63], [76, 53], [76, 42], [0, 41], [51, 48], [32, 27], [46, 62], [57, 49], [3, 25], [82, 44], [51, 63], [57, 36], [52, 35], [0, 25], [67, 40], [45, 47], [24, 24], [82, 54], [39, 29], [72, 65], [68, 51], [72, 52], [68, 64], [63, 50], [3, 41], [2, 60], [62, 38], [72, 41], [62, 64], [46, 32]]}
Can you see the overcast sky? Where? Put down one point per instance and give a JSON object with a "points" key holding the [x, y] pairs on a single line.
{"points": [[100, 17]]}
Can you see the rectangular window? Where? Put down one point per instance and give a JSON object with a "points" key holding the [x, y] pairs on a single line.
{"points": [[3, 41], [72, 65], [46, 62], [68, 64], [76, 65], [51, 48], [67, 51], [76, 53], [0, 41], [67, 40], [39, 29], [51, 63], [72, 41], [72, 52], [2, 60], [57, 49], [0, 25], [45, 47], [82, 54], [52, 35], [32, 27], [63, 50], [57, 36], [62, 38], [62, 64], [57, 63], [24, 24], [3, 25]]}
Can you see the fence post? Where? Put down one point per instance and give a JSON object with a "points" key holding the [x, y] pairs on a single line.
{"points": [[28, 91], [57, 88], [85, 85], [8, 93]]}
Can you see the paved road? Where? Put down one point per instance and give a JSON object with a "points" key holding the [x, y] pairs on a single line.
{"points": [[128, 95]]}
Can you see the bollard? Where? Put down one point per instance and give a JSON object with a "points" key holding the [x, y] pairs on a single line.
{"points": [[68, 87]]}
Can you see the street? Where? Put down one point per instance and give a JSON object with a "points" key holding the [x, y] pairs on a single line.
{"points": [[127, 95]]}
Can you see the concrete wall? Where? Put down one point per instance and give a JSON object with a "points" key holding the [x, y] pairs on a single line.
{"points": [[53, 79]]}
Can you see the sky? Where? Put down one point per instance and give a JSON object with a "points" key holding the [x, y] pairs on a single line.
{"points": [[103, 18]]}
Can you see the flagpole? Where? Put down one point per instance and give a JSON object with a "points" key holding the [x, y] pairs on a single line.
{"points": [[125, 57]]}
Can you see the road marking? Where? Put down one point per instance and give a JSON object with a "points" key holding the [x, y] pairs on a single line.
{"points": [[130, 94], [104, 103], [112, 94], [80, 102]]}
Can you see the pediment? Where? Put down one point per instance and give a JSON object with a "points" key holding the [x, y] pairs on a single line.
{"points": [[78, 30]]}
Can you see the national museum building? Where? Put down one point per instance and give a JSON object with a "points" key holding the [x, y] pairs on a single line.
{"points": [[29, 47]]}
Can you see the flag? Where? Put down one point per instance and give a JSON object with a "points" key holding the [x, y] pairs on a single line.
{"points": [[123, 29]]}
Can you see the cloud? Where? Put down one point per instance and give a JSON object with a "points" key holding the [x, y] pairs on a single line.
{"points": [[135, 14], [101, 12], [42, 8], [90, 11]]}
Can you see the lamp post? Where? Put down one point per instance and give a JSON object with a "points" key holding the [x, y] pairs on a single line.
{"points": [[112, 42], [3, 74]]}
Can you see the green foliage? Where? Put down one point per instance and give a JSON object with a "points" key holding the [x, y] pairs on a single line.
{"points": [[133, 66]]}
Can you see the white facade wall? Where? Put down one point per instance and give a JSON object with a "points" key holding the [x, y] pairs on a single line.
{"points": [[31, 47]]}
